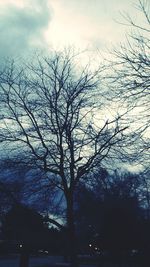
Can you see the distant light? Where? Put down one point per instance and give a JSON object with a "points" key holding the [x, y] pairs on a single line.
{"points": [[134, 251], [90, 245], [96, 248], [20, 246]]}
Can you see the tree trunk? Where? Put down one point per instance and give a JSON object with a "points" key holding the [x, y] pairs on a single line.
{"points": [[24, 259], [72, 248]]}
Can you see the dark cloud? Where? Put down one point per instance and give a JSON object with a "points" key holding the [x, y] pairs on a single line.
{"points": [[22, 28]]}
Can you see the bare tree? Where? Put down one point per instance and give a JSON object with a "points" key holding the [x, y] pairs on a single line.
{"points": [[131, 76], [51, 120]]}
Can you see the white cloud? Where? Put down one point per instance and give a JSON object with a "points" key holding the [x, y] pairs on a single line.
{"points": [[30, 24]]}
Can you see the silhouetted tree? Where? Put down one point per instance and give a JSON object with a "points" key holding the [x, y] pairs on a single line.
{"points": [[27, 228], [108, 214], [50, 113]]}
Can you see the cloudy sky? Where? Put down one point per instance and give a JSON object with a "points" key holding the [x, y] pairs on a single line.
{"points": [[27, 25]]}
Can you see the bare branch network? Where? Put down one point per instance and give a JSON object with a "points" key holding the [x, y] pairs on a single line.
{"points": [[48, 113], [131, 76]]}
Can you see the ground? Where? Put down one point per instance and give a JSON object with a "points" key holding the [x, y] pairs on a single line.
{"points": [[12, 261], [49, 261]]}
